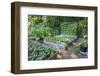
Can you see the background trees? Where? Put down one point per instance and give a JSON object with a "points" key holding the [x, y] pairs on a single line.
{"points": [[43, 26]]}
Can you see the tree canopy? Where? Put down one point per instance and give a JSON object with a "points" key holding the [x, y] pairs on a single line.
{"points": [[42, 26]]}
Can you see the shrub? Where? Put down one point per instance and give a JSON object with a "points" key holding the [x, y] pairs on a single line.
{"points": [[77, 50], [38, 51]]}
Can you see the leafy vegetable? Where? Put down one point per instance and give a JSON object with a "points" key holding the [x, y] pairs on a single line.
{"points": [[38, 51]]}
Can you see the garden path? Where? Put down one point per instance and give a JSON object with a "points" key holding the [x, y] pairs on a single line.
{"points": [[70, 52], [64, 54]]}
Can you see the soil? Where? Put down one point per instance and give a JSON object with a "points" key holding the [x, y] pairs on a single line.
{"points": [[69, 53]]}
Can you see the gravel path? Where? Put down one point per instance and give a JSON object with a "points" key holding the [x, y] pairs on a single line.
{"points": [[69, 53]]}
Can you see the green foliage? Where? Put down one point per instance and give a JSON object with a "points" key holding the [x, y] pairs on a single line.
{"points": [[82, 27], [69, 28], [77, 50], [63, 39], [84, 42], [38, 51], [54, 25], [39, 31], [48, 27]]}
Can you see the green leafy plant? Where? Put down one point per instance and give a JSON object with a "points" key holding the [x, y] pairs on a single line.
{"points": [[84, 42], [39, 51], [39, 31], [77, 50]]}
